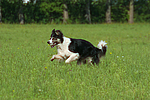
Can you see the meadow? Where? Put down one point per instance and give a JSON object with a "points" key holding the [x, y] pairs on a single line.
{"points": [[27, 72]]}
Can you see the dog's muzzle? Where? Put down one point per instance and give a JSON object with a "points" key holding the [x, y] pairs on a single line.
{"points": [[48, 42], [52, 45]]}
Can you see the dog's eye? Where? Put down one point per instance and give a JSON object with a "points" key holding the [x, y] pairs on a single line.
{"points": [[54, 38], [51, 38]]}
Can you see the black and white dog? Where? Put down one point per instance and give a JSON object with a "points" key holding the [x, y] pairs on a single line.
{"points": [[76, 49]]}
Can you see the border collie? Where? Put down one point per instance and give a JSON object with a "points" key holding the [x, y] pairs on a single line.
{"points": [[70, 49]]}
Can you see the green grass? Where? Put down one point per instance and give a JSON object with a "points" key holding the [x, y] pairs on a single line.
{"points": [[28, 73]]}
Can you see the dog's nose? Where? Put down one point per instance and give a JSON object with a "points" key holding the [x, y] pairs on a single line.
{"points": [[48, 42]]}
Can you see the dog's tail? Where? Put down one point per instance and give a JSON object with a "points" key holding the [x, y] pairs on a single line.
{"points": [[103, 48]]}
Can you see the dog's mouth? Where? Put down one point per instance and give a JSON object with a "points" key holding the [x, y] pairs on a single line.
{"points": [[52, 45]]}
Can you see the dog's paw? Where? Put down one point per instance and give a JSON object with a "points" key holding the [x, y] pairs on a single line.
{"points": [[53, 58], [67, 61]]}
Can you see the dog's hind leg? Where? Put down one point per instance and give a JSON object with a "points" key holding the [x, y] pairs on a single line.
{"points": [[79, 61], [84, 61], [96, 60], [72, 58]]}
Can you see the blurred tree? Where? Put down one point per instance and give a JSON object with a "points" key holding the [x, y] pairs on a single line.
{"points": [[108, 11], [98, 11], [65, 13], [120, 10], [88, 14], [142, 10], [52, 10], [21, 16], [131, 11], [72, 11], [0, 12], [79, 11], [15, 7], [9, 9]]}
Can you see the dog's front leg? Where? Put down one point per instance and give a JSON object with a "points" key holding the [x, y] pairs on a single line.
{"points": [[72, 58], [59, 57]]}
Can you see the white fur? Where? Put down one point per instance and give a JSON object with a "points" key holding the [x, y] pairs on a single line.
{"points": [[64, 53], [89, 60], [101, 44], [50, 41]]}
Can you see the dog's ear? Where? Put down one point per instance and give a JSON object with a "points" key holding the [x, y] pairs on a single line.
{"points": [[57, 32], [53, 31]]}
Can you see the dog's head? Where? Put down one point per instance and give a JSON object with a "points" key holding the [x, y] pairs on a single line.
{"points": [[56, 38]]}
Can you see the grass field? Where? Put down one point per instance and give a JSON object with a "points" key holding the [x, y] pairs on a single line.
{"points": [[27, 72]]}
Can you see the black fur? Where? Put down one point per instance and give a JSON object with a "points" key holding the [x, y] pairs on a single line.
{"points": [[85, 49]]}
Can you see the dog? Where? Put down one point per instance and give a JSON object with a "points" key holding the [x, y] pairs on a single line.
{"points": [[70, 49]]}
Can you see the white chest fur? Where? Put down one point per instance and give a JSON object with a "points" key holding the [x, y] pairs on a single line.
{"points": [[63, 48]]}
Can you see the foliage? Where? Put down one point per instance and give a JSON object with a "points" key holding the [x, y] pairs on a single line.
{"points": [[120, 12], [98, 12], [48, 11], [142, 8], [52, 10]]}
